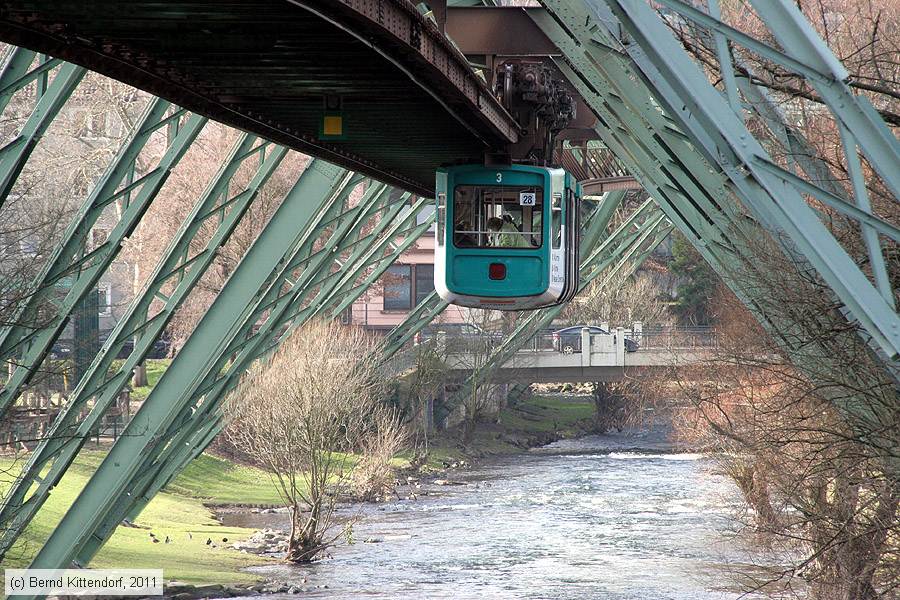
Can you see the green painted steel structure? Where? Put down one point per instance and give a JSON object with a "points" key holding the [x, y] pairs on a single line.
{"points": [[683, 138], [103, 383], [25, 345]]}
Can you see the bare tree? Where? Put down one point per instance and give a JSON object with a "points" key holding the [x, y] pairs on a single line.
{"points": [[809, 430], [637, 298], [300, 416]]}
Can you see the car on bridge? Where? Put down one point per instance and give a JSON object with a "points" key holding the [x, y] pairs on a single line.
{"points": [[568, 340]]}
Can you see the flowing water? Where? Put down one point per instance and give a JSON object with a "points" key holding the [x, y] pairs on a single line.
{"points": [[589, 518]]}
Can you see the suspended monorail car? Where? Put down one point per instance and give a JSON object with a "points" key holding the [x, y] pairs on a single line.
{"points": [[507, 237]]}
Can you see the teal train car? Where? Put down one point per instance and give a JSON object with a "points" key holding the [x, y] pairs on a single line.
{"points": [[507, 237]]}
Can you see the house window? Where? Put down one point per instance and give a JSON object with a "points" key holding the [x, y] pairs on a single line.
{"points": [[424, 281], [104, 299], [398, 288]]}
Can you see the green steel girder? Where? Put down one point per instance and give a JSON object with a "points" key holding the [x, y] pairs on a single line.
{"points": [[25, 345], [599, 71], [248, 345], [343, 286], [424, 313], [14, 154], [348, 291], [160, 467], [763, 187], [375, 200], [284, 234], [102, 382], [806, 54], [655, 152], [15, 74]]}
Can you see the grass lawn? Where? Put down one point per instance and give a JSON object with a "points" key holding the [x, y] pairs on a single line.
{"points": [[217, 481], [181, 514], [541, 414], [178, 513]]}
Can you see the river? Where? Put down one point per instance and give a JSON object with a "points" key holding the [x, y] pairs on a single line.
{"points": [[595, 518]]}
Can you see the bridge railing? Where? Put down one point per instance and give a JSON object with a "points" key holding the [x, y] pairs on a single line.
{"points": [[551, 341], [676, 338]]}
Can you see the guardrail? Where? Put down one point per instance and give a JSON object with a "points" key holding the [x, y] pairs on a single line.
{"points": [[680, 337], [553, 341]]}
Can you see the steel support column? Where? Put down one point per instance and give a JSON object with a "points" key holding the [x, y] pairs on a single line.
{"points": [[283, 235], [251, 340], [778, 203], [14, 154], [177, 268], [188, 435], [26, 342]]}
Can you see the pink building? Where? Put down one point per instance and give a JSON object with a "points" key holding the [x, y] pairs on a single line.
{"points": [[405, 283]]}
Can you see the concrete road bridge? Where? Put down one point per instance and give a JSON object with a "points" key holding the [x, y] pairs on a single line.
{"points": [[593, 357], [390, 91]]}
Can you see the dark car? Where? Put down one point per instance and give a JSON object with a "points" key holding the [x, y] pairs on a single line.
{"points": [[160, 348], [61, 350], [568, 340]]}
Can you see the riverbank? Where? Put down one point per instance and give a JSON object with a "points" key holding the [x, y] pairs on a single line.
{"points": [[529, 423], [177, 532], [180, 532]]}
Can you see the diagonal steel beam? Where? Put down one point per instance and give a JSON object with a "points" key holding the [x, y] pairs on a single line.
{"points": [[702, 111], [14, 154], [160, 467], [28, 341], [282, 237], [102, 381], [14, 75]]}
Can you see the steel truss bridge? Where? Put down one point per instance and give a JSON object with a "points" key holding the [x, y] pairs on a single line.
{"points": [[712, 148]]}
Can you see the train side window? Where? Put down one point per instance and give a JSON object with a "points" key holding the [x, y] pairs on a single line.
{"points": [[556, 220]]}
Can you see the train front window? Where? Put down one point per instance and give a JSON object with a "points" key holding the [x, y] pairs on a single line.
{"points": [[493, 216]]}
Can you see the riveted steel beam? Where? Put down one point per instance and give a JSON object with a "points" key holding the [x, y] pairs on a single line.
{"points": [[188, 435], [284, 234], [28, 340], [103, 382], [702, 112], [252, 341], [611, 83], [15, 74]]}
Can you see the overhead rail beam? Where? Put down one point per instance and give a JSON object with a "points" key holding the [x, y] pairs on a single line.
{"points": [[384, 73]]}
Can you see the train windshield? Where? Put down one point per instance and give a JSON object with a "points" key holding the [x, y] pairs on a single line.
{"points": [[493, 216]]}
